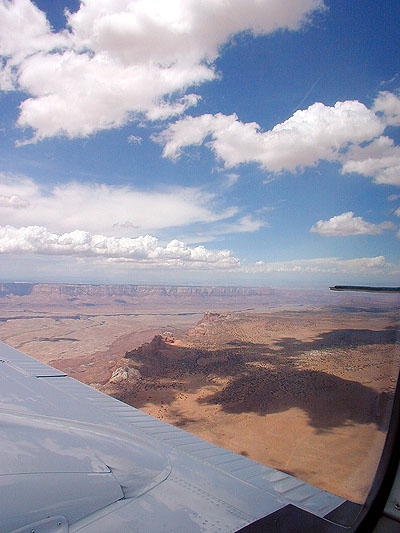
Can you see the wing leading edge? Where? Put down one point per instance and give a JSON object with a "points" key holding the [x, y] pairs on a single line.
{"points": [[74, 459]]}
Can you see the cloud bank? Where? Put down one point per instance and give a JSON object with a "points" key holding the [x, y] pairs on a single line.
{"points": [[147, 251], [142, 250], [328, 265], [107, 67]]}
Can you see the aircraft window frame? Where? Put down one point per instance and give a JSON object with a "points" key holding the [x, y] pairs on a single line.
{"points": [[374, 507]]}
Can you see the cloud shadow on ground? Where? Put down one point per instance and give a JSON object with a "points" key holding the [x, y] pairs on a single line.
{"points": [[329, 400]]}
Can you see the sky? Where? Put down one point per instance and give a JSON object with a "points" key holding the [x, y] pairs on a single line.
{"points": [[200, 142]]}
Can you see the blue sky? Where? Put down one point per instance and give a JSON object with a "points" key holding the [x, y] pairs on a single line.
{"points": [[200, 142]]}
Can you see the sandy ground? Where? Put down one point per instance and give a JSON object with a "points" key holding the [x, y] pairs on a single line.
{"points": [[340, 460], [63, 335]]}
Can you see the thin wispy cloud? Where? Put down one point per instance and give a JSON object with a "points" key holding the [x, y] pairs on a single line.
{"points": [[71, 205]]}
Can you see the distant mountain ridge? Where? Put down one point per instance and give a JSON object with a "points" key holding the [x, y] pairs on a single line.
{"points": [[110, 290], [203, 298]]}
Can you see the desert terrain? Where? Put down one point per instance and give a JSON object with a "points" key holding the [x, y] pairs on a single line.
{"points": [[299, 380]]}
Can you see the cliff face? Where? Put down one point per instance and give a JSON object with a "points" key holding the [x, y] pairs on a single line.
{"points": [[16, 289], [118, 291]]}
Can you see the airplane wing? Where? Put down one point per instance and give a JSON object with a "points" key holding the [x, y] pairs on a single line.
{"points": [[73, 459]]}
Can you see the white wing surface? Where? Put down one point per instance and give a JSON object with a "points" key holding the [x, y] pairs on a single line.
{"points": [[73, 459]]}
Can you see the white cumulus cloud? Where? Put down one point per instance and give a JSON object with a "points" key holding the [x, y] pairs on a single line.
{"points": [[389, 105], [347, 224], [380, 160], [317, 133], [118, 59], [14, 201], [25, 30]]}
